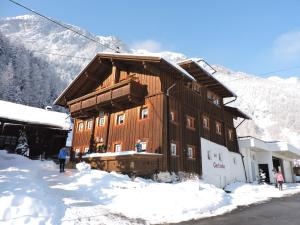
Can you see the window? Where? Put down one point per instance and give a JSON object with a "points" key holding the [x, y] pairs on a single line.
{"points": [[209, 155], [206, 122], [144, 113], [89, 124], [196, 87], [86, 149], [230, 134], [172, 116], [120, 119], [101, 121], [190, 152], [215, 99], [144, 145], [173, 149], [80, 126], [118, 148], [190, 122], [218, 128]]}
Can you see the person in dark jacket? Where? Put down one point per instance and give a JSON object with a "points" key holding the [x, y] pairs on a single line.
{"points": [[62, 155], [138, 146]]}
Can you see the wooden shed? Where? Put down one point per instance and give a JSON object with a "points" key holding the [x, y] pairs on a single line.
{"points": [[46, 131]]}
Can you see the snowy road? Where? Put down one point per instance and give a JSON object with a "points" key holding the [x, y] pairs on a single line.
{"points": [[278, 211]]}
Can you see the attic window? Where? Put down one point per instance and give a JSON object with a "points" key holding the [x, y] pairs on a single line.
{"points": [[212, 97]]}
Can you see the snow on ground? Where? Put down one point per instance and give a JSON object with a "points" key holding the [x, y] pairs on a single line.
{"points": [[34, 192]]}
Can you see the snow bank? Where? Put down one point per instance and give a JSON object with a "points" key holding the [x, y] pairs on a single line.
{"points": [[34, 115], [83, 167], [34, 192]]}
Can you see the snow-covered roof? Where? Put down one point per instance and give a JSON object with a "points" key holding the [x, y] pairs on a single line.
{"points": [[33, 115], [207, 71], [280, 147]]}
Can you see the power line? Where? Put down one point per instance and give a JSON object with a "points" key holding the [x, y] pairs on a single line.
{"points": [[280, 70], [262, 74], [64, 26], [49, 53]]}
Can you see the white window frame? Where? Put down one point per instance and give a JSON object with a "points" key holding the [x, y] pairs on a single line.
{"points": [[101, 121], [218, 128], [144, 145], [206, 124], [190, 121], [190, 152], [144, 113], [118, 119], [172, 116], [118, 147], [173, 149], [80, 126], [89, 124]]}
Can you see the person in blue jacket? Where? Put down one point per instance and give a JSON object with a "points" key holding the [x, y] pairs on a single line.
{"points": [[62, 155]]}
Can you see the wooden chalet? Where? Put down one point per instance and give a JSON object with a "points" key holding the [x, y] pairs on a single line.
{"points": [[46, 131], [119, 99]]}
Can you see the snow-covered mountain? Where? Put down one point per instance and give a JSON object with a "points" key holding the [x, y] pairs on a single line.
{"points": [[273, 103]]}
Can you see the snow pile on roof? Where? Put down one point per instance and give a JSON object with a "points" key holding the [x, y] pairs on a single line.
{"points": [[99, 197], [34, 115]]}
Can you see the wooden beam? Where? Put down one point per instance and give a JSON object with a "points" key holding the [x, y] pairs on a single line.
{"points": [[116, 105], [88, 77]]}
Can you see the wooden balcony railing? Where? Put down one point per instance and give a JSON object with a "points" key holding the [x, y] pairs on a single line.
{"points": [[120, 93]]}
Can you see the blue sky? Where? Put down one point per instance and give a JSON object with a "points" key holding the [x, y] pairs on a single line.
{"points": [[251, 36]]}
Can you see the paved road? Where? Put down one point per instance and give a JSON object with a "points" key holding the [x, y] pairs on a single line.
{"points": [[280, 211]]}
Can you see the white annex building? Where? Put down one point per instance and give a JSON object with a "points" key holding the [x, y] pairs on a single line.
{"points": [[219, 165], [262, 157]]}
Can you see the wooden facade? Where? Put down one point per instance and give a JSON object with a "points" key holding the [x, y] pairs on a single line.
{"points": [[120, 99]]}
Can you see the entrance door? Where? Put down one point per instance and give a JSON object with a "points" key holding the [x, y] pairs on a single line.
{"points": [[277, 164], [264, 172]]}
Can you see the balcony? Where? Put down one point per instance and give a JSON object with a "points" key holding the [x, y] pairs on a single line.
{"points": [[117, 96]]}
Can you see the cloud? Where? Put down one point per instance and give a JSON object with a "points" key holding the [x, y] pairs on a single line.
{"points": [[149, 45], [287, 47]]}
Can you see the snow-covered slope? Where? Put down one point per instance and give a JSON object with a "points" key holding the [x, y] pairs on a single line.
{"points": [[273, 102]]}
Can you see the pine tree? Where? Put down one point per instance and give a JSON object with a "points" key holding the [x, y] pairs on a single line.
{"points": [[22, 146]]}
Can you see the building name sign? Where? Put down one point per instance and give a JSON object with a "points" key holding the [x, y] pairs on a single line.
{"points": [[218, 165]]}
